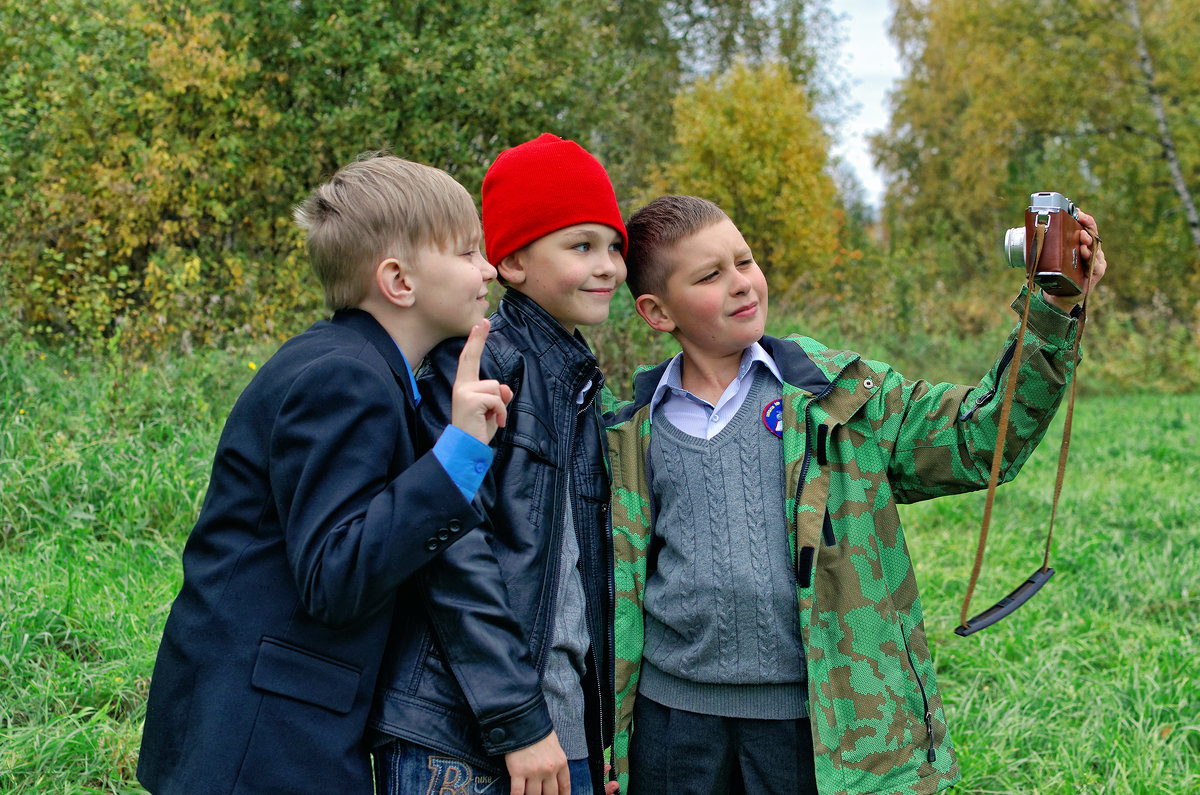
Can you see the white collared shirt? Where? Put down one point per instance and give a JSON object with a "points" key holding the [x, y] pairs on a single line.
{"points": [[697, 417]]}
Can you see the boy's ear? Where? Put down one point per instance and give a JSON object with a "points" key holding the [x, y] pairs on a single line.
{"points": [[395, 282], [654, 311], [511, 269]]}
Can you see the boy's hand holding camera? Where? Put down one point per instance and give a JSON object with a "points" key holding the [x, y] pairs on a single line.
{"points": [[1092, 254], [478, 407], [1066, 260]]}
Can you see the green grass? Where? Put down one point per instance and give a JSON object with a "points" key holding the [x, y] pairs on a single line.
{"points": [[102, 470], [1091, 687]]}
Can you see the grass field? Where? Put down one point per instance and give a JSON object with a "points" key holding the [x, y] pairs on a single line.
{"points": [[1093, 686]]}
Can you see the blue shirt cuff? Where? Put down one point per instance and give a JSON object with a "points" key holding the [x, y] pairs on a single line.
{"points": [[465, 459]]}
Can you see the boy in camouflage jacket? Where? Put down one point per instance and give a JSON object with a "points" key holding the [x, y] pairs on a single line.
{"points": [[856, 439]]}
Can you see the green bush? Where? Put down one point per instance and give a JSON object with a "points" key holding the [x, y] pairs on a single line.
{"points": [[152, 150], [133, 191]]}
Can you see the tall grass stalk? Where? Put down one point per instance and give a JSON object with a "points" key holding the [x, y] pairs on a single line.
{"points": [[102, 470]]}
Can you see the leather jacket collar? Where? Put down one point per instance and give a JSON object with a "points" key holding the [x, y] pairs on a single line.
{"points": [[564, 356]]}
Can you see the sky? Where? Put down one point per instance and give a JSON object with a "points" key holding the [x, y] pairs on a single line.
{"points": [[869, 64]]}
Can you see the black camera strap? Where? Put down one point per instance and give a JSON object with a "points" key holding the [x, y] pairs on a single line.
{"points": [[1027, 589]]}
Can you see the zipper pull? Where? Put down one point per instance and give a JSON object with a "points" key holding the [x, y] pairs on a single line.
{"points": [[932, 755]]}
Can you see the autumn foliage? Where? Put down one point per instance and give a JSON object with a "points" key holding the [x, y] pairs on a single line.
{"points": [[151, 151], [750, 141]]}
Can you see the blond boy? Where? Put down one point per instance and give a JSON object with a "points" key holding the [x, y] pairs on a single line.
{"points": [[323, 501]]}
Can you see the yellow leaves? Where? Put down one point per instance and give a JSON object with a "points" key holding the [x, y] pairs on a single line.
{"points": [[748, 140], [189, 54], [140, 177], [191, 272]]}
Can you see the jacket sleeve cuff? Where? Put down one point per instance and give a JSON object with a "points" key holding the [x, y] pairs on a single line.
{"points": [[1046, 321], [518, 728]]}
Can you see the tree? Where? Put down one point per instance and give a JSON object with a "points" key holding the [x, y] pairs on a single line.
{"points": [[748, 140], [1166, 138], [134, 170], [1095, 99], [153, 149]]}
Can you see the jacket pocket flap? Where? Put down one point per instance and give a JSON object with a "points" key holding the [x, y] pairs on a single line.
{"points": [[528, 430], [293, 672]]}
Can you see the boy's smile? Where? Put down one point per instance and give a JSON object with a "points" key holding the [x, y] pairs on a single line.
{"points": [[572, 273], [452, 295], [715, 300]]}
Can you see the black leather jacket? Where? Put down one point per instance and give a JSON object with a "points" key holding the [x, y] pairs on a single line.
{"points": [[471, 634]]}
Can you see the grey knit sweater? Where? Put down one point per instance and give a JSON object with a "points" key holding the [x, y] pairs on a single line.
{"points": [[722, 622]]}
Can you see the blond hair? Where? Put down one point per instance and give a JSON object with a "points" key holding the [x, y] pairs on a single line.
{"points": [[377, 207]]}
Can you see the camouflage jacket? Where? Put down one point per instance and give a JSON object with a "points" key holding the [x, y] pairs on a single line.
{"points": [[858, 439]]}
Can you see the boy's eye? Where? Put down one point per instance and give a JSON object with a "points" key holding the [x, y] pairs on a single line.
{"points": [[745, 263], [585, 246], [708, 277]]}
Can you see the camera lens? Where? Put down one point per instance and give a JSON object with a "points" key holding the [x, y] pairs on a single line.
{"points": [[1014, 247]]}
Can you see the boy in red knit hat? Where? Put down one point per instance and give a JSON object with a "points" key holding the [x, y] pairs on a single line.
{"points": [[501, 678]]}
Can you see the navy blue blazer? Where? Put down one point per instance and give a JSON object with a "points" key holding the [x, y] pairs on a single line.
{"points": [[317, 511]]}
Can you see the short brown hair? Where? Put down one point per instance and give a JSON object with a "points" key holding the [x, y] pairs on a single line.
{"points": [[654, 229], [377, 207]]}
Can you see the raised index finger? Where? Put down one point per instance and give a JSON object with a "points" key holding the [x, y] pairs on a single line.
{"points": [[472, 352]]}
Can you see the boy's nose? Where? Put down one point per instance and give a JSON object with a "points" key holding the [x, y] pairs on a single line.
{"points": [[607, 263], [486, 268]]}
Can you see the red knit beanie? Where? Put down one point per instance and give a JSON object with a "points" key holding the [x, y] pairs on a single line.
{"points": [[542, 186]]}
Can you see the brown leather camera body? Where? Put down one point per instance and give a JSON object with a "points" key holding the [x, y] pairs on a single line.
{"points": [[1060, 269]]}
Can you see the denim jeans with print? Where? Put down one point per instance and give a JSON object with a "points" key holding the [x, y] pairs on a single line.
{"points": [[402, 768]]}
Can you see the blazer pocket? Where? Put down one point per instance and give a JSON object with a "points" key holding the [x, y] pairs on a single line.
{"points": [[290, 671]]}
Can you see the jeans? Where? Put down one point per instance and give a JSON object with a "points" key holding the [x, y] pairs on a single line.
{"points": [[402, 768]]}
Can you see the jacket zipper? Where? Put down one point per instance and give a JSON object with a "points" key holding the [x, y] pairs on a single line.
{"points": [[1005, 360], [931, 755], [611, 596], [570, 448], [610, 587], [587, 405], [804, 467]]}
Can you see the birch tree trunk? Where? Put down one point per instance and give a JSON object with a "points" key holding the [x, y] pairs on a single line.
{"points": [[1164, 131]]}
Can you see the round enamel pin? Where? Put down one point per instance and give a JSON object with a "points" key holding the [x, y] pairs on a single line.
{"points": [[773, 417]]}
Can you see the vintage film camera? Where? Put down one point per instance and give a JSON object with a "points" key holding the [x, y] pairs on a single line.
{"points": [[1059, 270]]}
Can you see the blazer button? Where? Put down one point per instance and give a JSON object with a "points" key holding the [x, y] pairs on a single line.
{"points": [[497, 735], [431, 544], [455, 526], [443, 534]]}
